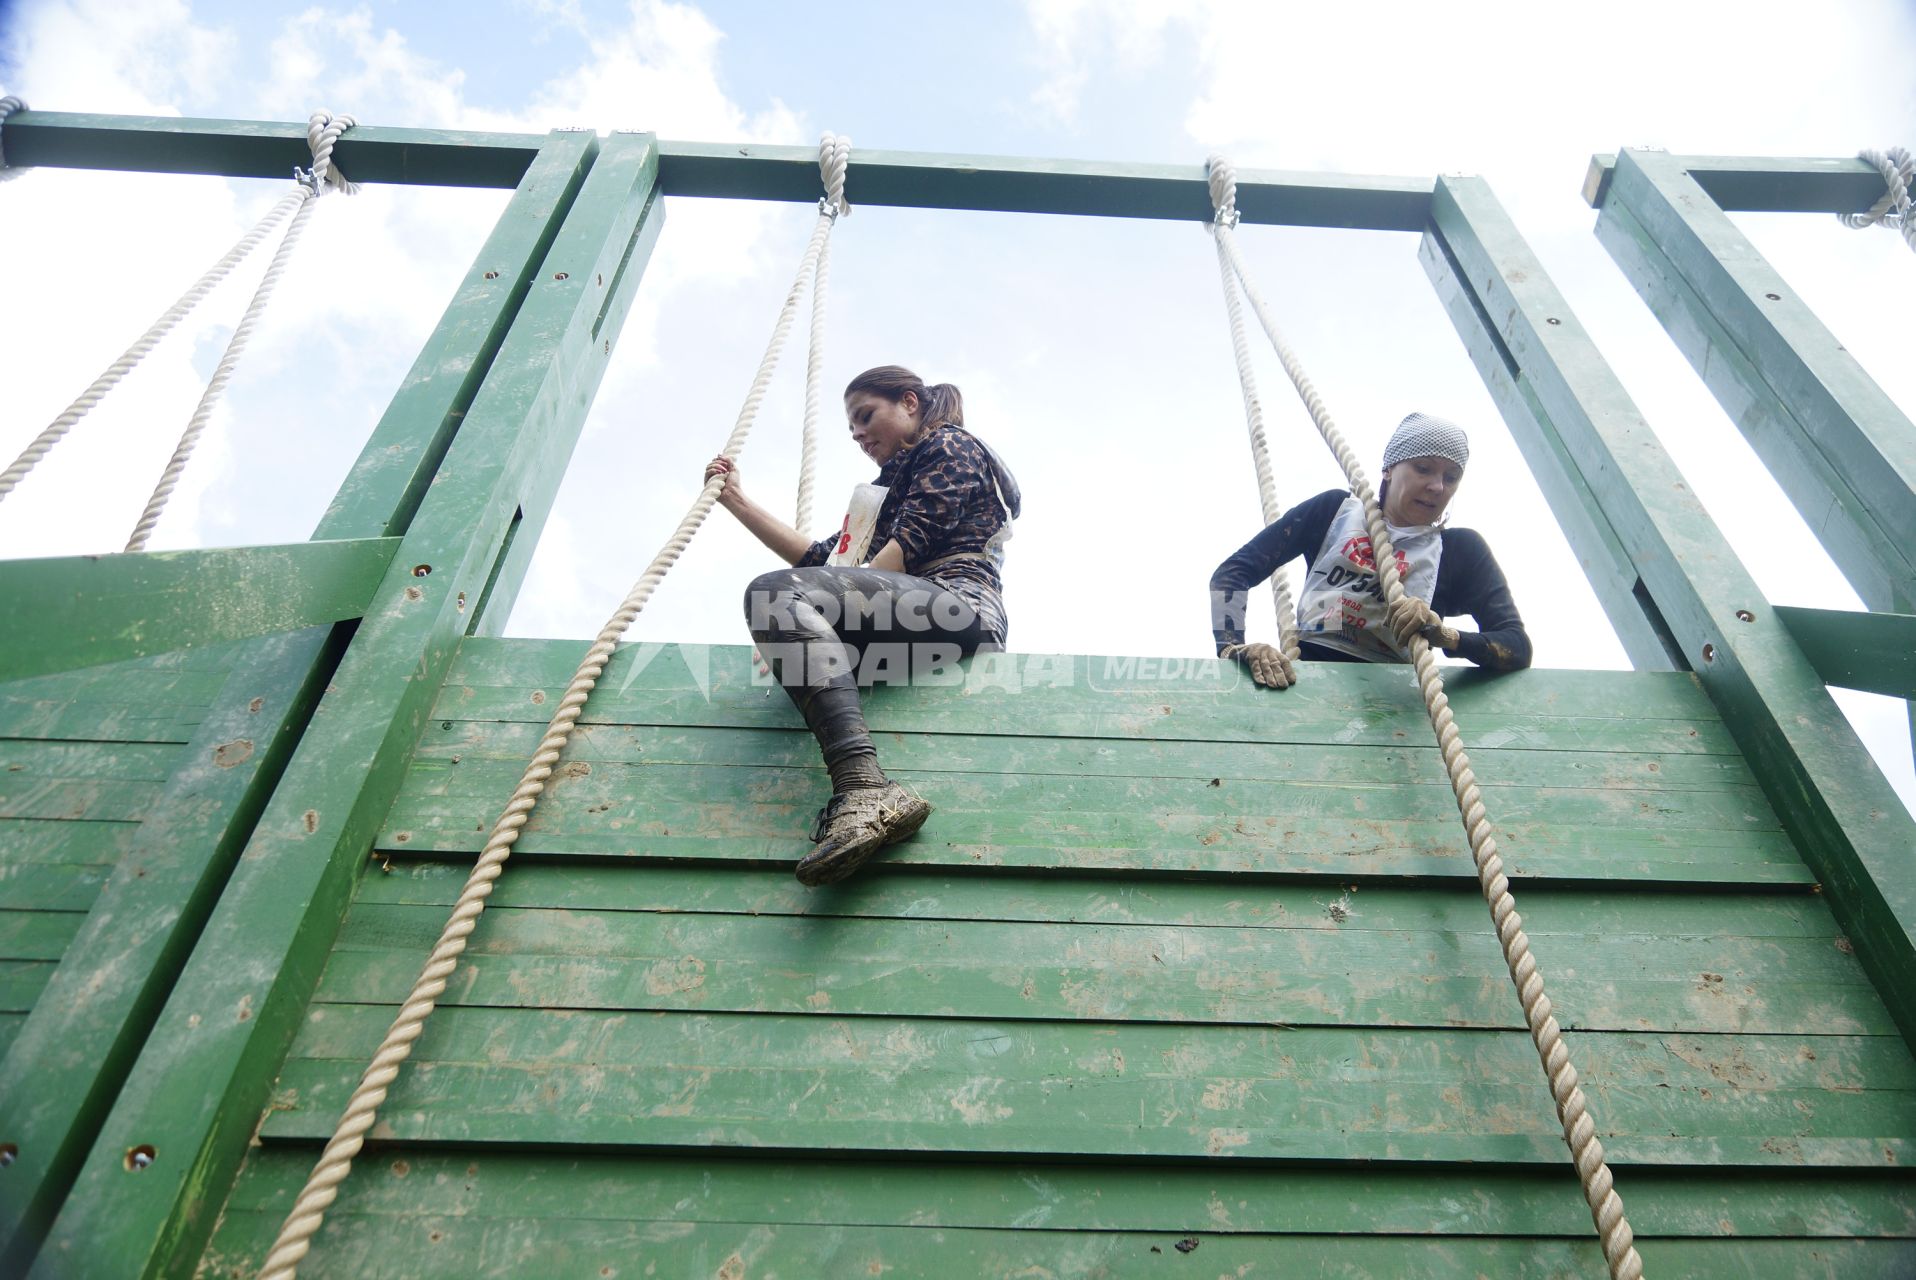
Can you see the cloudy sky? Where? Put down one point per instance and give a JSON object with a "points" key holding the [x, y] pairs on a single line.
{"points": [[1093, 354]]}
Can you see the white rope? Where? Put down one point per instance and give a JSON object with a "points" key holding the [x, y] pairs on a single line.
{"points": [[335, 1163], [1893, 209], [834, 155], [1606, 1207], [203, 412], [45, 441], [8, 105], [1223, 181], [322, 132]]}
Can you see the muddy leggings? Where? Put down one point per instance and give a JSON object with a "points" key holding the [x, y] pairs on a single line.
{"points": [[827, 631]]}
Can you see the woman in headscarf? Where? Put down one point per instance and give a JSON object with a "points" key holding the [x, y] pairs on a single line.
{"points": [[1341, 615]]}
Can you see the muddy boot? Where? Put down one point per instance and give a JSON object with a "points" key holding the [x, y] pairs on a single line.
{"points": [[857, 824]]}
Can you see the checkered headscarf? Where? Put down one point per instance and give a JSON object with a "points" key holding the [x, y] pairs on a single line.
{"points": [[1422, 436]]}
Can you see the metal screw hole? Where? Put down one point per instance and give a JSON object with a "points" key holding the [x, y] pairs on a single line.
{"points": [[1709, 653], [1744, 615], [1553, 320], [140, 1157], [421, 570], [560, 275], [9, 1152], [492, 275], [1774, 297]]}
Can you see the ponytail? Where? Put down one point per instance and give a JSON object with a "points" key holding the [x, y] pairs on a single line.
{"points": [[937, 405]]}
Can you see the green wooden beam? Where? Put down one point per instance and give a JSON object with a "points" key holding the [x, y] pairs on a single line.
{"points": [[74, 1051], [1838, 445], [265, 149], [1874, 652], [1645, 637], [1087, 189], [257, 149], [1843, 815], [1764, 184], [197, 1090], [77, 611]]}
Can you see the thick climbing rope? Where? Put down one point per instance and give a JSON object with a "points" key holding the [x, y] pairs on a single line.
{"points": [[8, 105], [1223, 180], [321, 132], [834, 154], [335, 1163], [1579, 1131], [1893, 209]]}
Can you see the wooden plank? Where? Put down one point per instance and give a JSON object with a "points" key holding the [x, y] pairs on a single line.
{"points": [[42, 842], [1133, 1090], [1348, 961], [10, 1024], [1340, 702], [21, 982], [486, 751], [80, 611], [207, 1061], [1045, 898], [71, 799], [37, 935], [42, 886], [134, 761], [1853, 831], [511, 1246], [414, 1183]]}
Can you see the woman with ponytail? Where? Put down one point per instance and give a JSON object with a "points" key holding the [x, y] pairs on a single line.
{"points": [[907, 592]]}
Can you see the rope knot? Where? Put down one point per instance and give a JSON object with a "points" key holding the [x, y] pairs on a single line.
{"points": [[322, 131], [8, 105], [834, 157], [1222, 177], [1893, 208]]}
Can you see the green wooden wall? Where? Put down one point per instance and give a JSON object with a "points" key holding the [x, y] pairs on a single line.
{"points": [[1174, 962]]}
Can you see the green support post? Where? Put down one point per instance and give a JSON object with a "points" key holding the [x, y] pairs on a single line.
{"points": [[1838, 446], [1646, 639], [1874, 652], [86, 610], [89, 1023], [197, 1090], [1842, 814]]}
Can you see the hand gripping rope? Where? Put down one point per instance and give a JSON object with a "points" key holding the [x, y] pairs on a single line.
{"points": [[335, 1163], [1892, 210], [322, 131], [1606, 1207]]}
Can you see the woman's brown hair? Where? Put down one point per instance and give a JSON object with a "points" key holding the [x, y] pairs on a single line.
{"points": [[938, 405]]}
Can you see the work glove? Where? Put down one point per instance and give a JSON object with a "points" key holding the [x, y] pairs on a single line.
{"points": [[1408, 616], [1269, 667]]}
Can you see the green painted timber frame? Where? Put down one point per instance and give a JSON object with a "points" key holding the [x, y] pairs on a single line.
{"points": [[455, 484]]}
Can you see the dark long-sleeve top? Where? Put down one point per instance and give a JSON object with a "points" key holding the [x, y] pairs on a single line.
{"points": [[1469, 581], [942, 501]]}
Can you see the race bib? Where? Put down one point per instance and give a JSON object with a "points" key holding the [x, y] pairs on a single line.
{"points": [[1342, 604]]}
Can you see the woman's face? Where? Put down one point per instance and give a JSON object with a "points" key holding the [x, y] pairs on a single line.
{"points": [[882, 427], [1420, 489]]}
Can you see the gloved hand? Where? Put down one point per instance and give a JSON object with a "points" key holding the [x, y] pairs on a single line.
{"points": [[1409, 616], [1269, 667]]}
